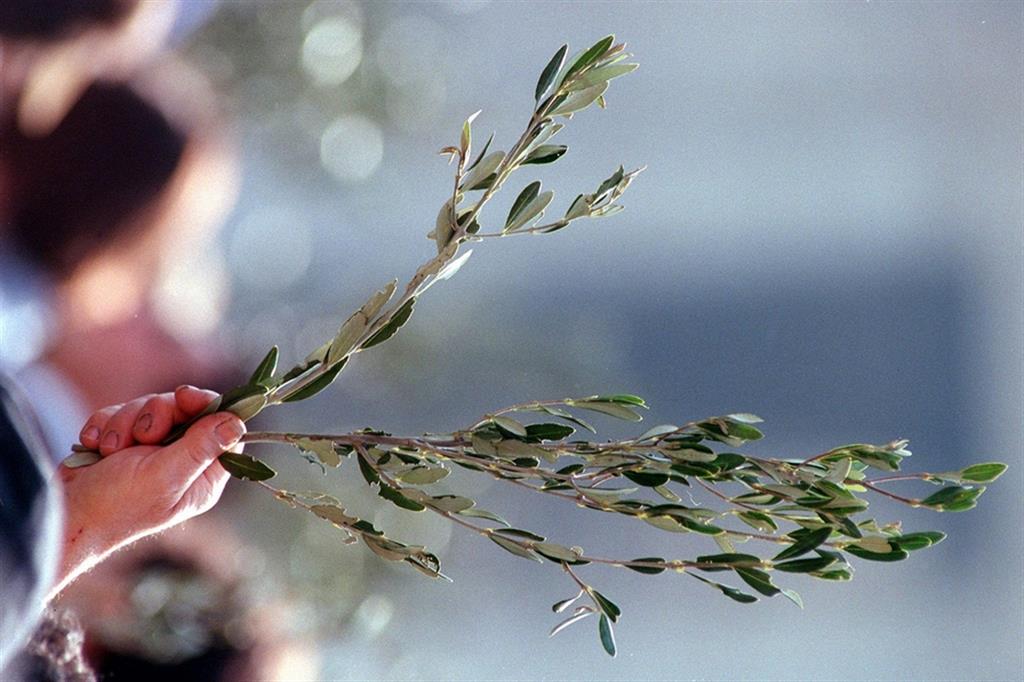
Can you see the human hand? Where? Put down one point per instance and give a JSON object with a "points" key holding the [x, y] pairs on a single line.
{"points": [[140, 487]]}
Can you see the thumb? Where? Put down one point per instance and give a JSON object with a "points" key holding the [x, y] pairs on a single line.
{"points": [[185, 459]]}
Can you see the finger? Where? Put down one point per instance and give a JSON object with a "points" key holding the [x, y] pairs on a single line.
{"points": [[117, 432], [190, 401], [185, 460], [155, 420], [93, 429]]}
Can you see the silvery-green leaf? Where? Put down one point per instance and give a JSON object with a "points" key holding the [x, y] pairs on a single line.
{"points": [[316, 385], [612, 409], [398, 318], [81, 458], [546, 133], [580, 100], [452, 267], [600, 75], [451, 503], [245, 467], [510, 425], [423, 475], [248, 407], [556, 551], [532, 211], [482, 154], [589, 56], [465, 141], [547, 76], [607, 635], [483, 514], [443, 228], [528, 194], [606, 211], [265, 371], [545, 153], [579, 208], [323, 449], [487, 166], [356, 324], [514, 548], [575, 618]]}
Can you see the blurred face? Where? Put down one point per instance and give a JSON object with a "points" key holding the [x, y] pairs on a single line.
{"points": [[42, 80]]}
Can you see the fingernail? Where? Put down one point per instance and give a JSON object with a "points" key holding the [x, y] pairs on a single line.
{"points": [[144, 422], [229, 431], [91, 433], [111, 440]]}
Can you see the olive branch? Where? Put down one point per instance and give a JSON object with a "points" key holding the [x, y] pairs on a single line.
{"points": [[809, 509]]}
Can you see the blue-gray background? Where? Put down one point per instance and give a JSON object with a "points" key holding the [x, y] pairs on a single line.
{"points": [[828, 234]]}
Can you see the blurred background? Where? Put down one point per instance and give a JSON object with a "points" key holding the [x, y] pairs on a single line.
{"points": [[829, 235]]}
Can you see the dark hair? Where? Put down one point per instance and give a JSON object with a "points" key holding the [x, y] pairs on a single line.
{"points": [[75, 189], [48, 20]]}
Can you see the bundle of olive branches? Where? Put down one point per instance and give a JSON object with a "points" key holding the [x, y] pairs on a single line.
{"points": [[809, 509]]}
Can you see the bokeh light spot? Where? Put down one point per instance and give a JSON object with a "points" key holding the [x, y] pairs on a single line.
{"points": [[332, 50], [351, 148]]}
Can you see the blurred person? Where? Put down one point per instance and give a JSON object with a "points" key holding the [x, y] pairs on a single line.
{"points": [[51, 50], [52, 531], [185, 605], [136, 175]]}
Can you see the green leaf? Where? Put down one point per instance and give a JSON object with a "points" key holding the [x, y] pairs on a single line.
{"points": [[449, 269], [520, 533], [245, 467], [528, 194], [649, 479], [578, 101], [549, 432], [805, 542], [545, 153], [265, 371], [547, 76], [482, 154], [422, 475], [895, 555], [465, 141], [759, 521], [514, 548], [601, 75], [611, 409], [983, 473], [604, 628], [806, 565], [368, 472], [476, 178], [793, 596], [730, 592], [558, 412], [725, 561], [483, 514], [580, 614], [531, 211], [510, 425], [323, 449], [451, 503], [398, 318], [915, 541], [589, 56], [620, 399], [557, 553], [953, 498], [247, 408], [759, 580], [649, 570], [396, 497], [610, 608], [317, 385]]}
